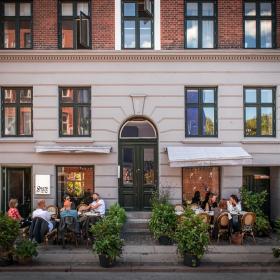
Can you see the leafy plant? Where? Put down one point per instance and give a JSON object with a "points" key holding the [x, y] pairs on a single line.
{"points": [[160, 197], [262, 226], [26, 248], [115, 211], [9, 231], [163, 220], [192, 235]]}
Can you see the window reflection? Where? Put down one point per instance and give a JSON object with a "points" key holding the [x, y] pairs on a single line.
{"points": [[67, 34], [208, 121], [10, 121], [145, 34], [25, 34], [266, 121], [192, 33], [208, 34], [129, 34], [149, 172], [266, 34], [127, 166], [9, 34], [251, 121], [192, 121], [67, 120], [250, 34], [25, 120]]}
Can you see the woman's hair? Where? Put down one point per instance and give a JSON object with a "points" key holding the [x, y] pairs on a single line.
{"points": [[13, 202], [235, 198], [223, 204]]}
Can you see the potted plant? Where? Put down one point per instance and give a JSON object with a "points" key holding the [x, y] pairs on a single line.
{"points": [[116, 211], [25, 251], [163, 223], [9, 231], [192, 238]]}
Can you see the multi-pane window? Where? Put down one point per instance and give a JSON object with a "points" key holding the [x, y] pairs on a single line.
{"points": [[16, 24], [17, 112], [137, 24], [259, 24], [259, 112], [201, 112], [74, 24], [75, 111], [200, 24]]}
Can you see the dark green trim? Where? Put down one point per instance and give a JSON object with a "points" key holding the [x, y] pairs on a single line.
{"points": [[258, 106], [200, 105], [17, 106]]}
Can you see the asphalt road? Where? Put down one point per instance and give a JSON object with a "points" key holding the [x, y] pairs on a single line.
{"points": [[136, 276]]}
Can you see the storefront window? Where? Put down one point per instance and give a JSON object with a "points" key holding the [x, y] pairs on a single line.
{"points": [[75, 181]]}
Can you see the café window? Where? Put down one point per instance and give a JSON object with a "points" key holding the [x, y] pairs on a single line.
{"points": [[16, 24], [74, 24], [138, 24], [75, 111], [259, 24], [202, 179], [201, 112], [200, 24], [259, 112], [75, 181], [17, 112]]}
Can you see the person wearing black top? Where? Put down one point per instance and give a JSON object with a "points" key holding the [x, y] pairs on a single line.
{"points": [[210, 202], [196, 198]]}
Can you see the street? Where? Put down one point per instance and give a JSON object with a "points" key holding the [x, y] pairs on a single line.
{"points": [[136, 275]]}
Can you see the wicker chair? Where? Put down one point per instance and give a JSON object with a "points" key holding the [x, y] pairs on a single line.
{"points": [[179, 208], [53, 210], [204, 217], [248, 221], [82, 207], [223, 226], [194, 206]]}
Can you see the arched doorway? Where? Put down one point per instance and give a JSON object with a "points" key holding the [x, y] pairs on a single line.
{"points": [[138, 163]]}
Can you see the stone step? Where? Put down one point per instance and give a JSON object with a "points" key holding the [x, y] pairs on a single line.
{"points": [[138, 215]]}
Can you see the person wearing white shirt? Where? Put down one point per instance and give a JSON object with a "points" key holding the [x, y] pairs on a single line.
{"points": [[98, 204], [41, 212], [234, 206]]}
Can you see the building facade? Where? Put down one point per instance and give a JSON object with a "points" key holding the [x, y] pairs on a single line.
{"points": [[127, 97]]}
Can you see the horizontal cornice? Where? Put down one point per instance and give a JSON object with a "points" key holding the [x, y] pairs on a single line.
{"points": [[140, 56]]}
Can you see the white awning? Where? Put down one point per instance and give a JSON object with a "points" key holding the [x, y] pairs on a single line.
{"points": [[207, 156], [74, 149]]}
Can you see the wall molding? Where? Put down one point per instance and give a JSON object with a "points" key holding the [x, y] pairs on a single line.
{"points": [[139, 56]]}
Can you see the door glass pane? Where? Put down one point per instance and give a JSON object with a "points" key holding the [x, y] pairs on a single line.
{"points": [[25, 96], [25, 34], [266, 121], [127, 166], [129, 9], [83, 121], [25, 121], [192, 96], [208, 119], [83, 96], [10, 121], [250, 33], [250, 9], [67, 95], [208, 34], [207, 9], [67, 34], [10, 96], [192, 9], [82, 7], [250, 96], [145, 34], [266, 34], [266, 9], [67, 119], [149, 172], [9, 9], [9, 34], [138, 129], [192, 33], [25, 9], [208, 96], [129, 34], [266, 96], [192, 121], [250, 121], [66, 9]]}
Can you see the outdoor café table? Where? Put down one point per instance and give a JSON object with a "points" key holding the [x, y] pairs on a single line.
{"points": [[87, 219]]}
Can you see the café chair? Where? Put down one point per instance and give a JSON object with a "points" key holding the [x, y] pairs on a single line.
{"points": [[82, 207], [204, 217], [223, 226], [248, 221], [179, 208], [68, 228], [53, 210], [194, 206]]}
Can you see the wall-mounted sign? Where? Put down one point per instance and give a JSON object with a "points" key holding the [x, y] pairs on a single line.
{"points": [[42, 184]]}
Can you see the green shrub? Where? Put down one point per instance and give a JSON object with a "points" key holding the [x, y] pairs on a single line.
{"points": [[115, 211], [161, 197], [262, 226], [26, 248]]}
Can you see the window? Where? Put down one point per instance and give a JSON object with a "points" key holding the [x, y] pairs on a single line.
{"points": [[200, 24], [16, 24], [75, 181], [16, 112], [75, 111], [259, 24], [201, 112], [137, 24], [74, 24], [259, 112]]}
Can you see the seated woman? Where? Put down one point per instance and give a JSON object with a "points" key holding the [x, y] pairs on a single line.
{"points": [[13, 212], [196, 198], [67, 211], [222, 208], [72, 204], [234, 206]]}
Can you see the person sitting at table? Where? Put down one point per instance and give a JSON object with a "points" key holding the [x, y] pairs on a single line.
{"points": [[72, 205], [196, 198], [98, 204], [13, 212], [67, 211], [234, 206], [210, 202], [222, 208], [213, 201]]}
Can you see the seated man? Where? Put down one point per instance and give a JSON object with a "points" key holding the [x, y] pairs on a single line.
{"points": [[41, 212], [68, 212], [98, 204]]}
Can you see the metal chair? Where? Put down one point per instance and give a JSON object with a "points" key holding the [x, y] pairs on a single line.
{"points": [[223, 226], [248, 221]]}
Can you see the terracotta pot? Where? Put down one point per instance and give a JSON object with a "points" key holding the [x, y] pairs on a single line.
{"points": [[165, 240], [106, 262], [236, 238], [191, 260]]}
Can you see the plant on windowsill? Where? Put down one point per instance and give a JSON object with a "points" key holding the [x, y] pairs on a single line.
{"points": [[9, 231], [192, 238], [25, 250]]}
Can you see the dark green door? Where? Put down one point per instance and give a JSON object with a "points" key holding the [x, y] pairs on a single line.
{"points": [[138, 174], [16, 183]]}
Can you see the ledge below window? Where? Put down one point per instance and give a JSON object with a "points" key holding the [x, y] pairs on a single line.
{"points": [[74, 140], [260, 141], [202, 141], [17, 140]]}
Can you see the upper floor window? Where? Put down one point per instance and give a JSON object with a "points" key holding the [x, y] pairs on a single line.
{"points": [[259, 24], [17, 112], [259, 112], [201, 112], [138, 24], [74, 24], [74, 112], [16, 24], [200, 24]]}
